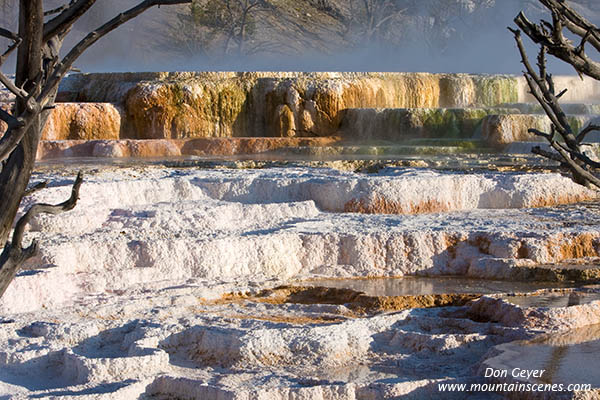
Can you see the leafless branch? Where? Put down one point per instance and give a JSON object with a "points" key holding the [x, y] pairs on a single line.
{"points": [[562, 93], [12, 122], [579, 156], [41, 208], [542, 63], [542, 88], [8, 83], [586, 130], [13, 137], [581, 175], [547, 154], [16, 42], [13, 255], [537, 132], [550, 35], [35, 188], [575, 22], [9, 35], [63, 22], [10, 49], [58, 9]]}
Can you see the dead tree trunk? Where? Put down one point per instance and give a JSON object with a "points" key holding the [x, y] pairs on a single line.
{"points": [[39, 71], [551, 39]]}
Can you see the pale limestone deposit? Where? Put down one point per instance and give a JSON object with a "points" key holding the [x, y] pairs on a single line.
{"points": [[579, 89], [167, 342], [145, 225], [171, 283]]}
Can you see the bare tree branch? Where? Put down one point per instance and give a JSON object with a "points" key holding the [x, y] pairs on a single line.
{"points": [[12, 122], [540, 133], [586, 130], [63, 22], [58, 9], [551, 36], [36, 188], [562, 93], [9, 35], [549, 155], [16, 42], [542, 88], [42, 208], [574, 22], [9, 84], [10, 49], [12, 138], [13, 255], [579, 171]]}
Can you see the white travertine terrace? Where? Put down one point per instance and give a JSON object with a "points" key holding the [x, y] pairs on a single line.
{"points": [[126, 297], [155, 224]]}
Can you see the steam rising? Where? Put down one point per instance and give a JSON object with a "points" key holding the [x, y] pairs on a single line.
{"points": [[475, 41]]}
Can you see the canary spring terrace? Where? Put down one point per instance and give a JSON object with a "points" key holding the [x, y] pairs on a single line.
{"points": [[307, 236]]}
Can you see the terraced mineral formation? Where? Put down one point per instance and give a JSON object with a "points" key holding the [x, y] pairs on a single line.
{"points": [[501, 130], [356, 106], [145, 225], [80, 121], [179, 105], [580, 90], [175, 345], [188, 283], [404, 123], [84, 121], [157, 148]]}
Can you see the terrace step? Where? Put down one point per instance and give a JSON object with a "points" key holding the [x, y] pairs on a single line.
{"points": [[569, 108], [148, 148], [501, 130], [398, 124]]}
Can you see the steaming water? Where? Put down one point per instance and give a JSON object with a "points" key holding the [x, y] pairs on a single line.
{"points": [[473, 161]]}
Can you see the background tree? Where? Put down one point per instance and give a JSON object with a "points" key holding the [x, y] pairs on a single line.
{"points": [[553, 38], [222, 27], [39, 70], [372, 20]]}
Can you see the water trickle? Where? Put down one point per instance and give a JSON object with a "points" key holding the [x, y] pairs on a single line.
{"points": [[412, 286], [568, 358], [553, 300]]}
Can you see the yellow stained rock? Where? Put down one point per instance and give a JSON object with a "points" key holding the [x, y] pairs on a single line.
{"points": [[83, 121]]}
